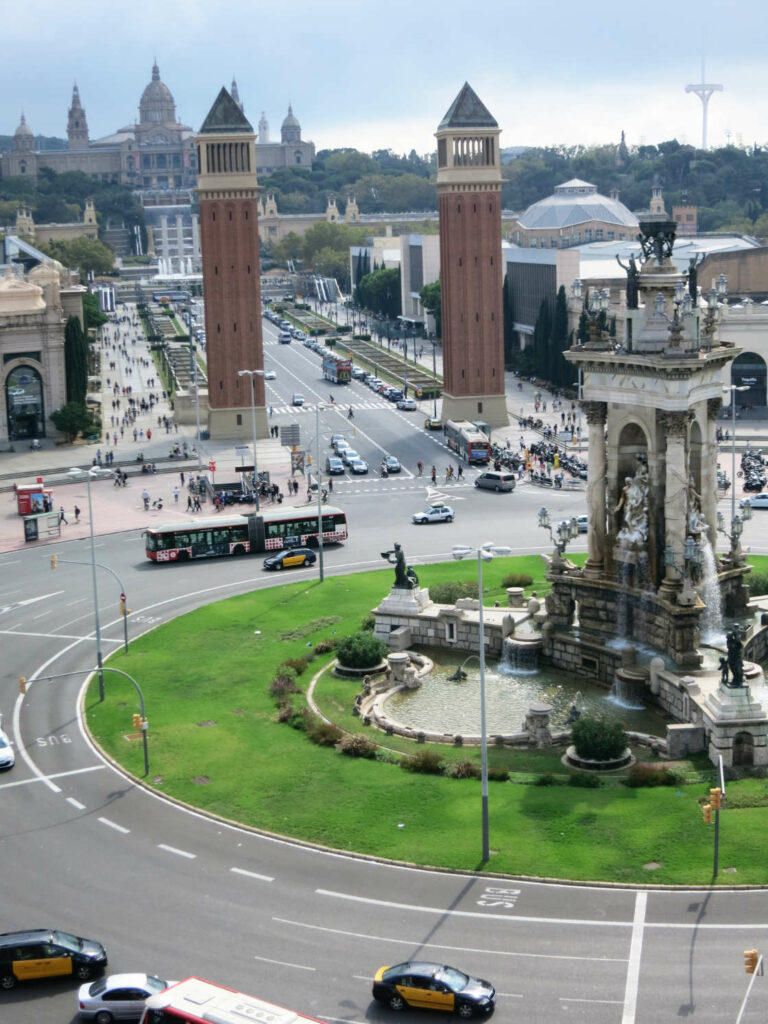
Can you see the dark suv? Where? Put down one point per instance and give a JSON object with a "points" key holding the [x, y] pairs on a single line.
{"points": [[41, 953]]}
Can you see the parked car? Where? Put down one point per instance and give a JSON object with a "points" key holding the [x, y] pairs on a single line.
{"points": [[394, 395], [48, 953], [493, 480], [430, 424], [291, 558], [118, 996], [583, 523], [358, 373], [407, 404], [358, 465], [437, 512], [431, 986], [756, 501], [7, 757]]}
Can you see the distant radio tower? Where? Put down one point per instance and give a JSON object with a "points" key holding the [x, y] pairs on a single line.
{"points": [[704, 92]]}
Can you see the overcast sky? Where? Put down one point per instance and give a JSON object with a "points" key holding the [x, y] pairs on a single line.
{"points": [[381, 73]]}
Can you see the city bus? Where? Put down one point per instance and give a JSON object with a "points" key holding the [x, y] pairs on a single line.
{"points": [[337, 369], [246, 534], [194, 1001], [468, 442]]}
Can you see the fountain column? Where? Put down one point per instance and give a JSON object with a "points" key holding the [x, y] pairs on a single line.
{"points": [[709, 471], [675, 425], [596, 414]]}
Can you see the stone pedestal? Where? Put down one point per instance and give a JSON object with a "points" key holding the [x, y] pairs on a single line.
{"points": [[404, 602], [537, 725], [737, 726]]}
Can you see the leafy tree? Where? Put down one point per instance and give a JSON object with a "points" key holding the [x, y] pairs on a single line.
{"points": [[75, 361], [360, 650], [84, 254], [431, 298], [598, 740], [542, 334], [380, 292], [74, 419], [91, 313], [560, 371]]}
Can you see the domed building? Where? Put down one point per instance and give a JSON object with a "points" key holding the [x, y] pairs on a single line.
{"points": [[574, 214], [290, 151], [156, 153]]}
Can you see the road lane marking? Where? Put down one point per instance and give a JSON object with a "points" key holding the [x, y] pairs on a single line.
{"points": [[179, 853], [635, 953], [251, 874], [454, 949], [284, 963], [115, 826], [59, 636], [75, 803], [573, 999]]}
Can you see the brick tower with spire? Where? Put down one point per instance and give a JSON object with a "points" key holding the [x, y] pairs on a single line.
{"points": [[77, 125], [229, 240], [469, 202]]}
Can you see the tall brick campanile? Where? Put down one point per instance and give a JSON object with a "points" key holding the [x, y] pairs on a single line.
{"points": [[229, 240], [469, 199]]}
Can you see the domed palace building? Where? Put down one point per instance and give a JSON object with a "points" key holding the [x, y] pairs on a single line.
{"points": [[574, 214], [155, 153]]}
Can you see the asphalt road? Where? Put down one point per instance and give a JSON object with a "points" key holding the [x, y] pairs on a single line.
{"points": [[169, 891]]}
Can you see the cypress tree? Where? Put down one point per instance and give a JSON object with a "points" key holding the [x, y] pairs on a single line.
{"points": [[559, 368], [75, 360], [542, 334], [509, 320]]}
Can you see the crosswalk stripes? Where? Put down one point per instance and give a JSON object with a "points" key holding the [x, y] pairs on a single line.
{"points": [[309, 407]]}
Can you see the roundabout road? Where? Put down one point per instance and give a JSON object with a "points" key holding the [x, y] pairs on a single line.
{"points": [[173, 892]]}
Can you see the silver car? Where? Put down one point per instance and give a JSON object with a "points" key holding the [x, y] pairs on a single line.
{"points": [[118, 996], [7, 758]]}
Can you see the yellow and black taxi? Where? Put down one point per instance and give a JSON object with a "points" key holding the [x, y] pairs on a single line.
{"points": [[291, 558], [42, 953], [430, 986], [433, 424]]}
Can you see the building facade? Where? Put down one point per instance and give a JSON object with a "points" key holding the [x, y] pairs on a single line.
{"points": [[229, 236], [290, 151], [574, 214], [469, 203]]}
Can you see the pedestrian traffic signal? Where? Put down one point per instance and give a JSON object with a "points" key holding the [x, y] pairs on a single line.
{"points": [[706, 813], [751, 957], [123, 610], [716, 798], [22, 684], [137, 721], [54, 561]]}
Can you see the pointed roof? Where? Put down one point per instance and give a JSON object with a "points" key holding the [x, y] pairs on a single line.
{"points": [[225, 116], [468, 111]]}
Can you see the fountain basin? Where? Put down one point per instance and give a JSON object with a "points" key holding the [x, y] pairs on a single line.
{"points": [[572, 760]]}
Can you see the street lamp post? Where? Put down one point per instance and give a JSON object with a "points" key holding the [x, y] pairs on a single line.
{"points": [[252, 374], [318, 409], [76, 473], [434, 377], [193, 354], [733, 388], [485, 553]]}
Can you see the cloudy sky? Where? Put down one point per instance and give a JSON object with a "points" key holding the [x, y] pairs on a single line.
{"points": [[372, 74]]}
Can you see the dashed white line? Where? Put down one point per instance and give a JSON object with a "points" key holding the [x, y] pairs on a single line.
{"points": [[113, 824], [284, 963], [573, 999], [75, 803], [252, 874], [179, 853]]}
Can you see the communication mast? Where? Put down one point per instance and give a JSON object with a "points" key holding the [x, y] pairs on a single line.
{"points": [[704, 91]]}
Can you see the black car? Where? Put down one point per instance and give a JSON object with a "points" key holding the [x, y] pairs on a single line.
{"points": [[46, 953], [433, 987], [290, 558]]}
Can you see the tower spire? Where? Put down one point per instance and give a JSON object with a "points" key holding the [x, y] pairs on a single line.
{"points": [[77, 125]]}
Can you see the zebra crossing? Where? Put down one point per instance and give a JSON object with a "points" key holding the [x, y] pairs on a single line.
{"points": [[309, 408]]}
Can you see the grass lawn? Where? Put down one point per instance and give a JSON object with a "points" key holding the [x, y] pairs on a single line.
{"points": [[214, 742]]}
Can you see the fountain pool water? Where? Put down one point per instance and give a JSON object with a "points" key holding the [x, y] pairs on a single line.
{"points": [[454, 707]]}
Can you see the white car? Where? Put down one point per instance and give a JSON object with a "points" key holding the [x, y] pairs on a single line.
{"points": [[358, 465], [756, 501], [7, 758], [435, 513], [270, 375], [297, 399], [583, 523], [407, 404], [118, 996], [348, 455]]}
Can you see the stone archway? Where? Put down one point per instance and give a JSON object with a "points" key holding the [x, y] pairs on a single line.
{"points": [[749, 369], [25, 403], [743, 750]]}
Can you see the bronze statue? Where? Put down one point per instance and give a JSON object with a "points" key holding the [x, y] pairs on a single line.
{"points": [[405, 577], [633, 281], [735, 656], [693, 276], [724, 672]]}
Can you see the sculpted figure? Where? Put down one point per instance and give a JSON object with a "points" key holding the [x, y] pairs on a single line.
{"points": [[633, 505]]}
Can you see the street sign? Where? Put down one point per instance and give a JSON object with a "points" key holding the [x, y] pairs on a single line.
{"points": [[241, 450], [244, 469], [212, 466]]}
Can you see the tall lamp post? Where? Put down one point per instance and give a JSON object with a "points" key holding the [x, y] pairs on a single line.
{"points": [[485, 553], [733, 388], [318, 409], [193, 356], [252, 374], [75, 473]]}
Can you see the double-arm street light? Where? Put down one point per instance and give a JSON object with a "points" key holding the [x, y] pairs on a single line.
{"points": [[318, 409], [253, 374], [485, 553], [733, 389]]}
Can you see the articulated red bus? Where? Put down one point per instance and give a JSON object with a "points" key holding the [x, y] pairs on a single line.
{"points": [[195, 1001], [467, 441], [248, 534]]}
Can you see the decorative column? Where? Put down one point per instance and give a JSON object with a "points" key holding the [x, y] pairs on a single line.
{"points": [[675, 426], [180, 240], [596, 415], [709, 470], [195, 238], [165, 250]]}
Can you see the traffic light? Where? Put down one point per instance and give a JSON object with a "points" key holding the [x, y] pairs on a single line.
{"points": [[716, 798], [706, 813], [751, 957], [22, 684], [54, 561], [137, 721]]}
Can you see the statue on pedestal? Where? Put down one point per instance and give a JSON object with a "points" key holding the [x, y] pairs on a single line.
{"points": [[634, 507], [633, 281], [735, 656], [405, 576]]}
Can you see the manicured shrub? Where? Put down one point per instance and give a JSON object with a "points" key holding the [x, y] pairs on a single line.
{"points": [[498, 775], [354, 745], [598, 740], [325, 646], [757, 582], [427, 762], [452, 590], [648, 775], [324, 734], [517, 579], [284, 683], [297, 665], [464, 770], [286, 712], [584, 780], [360, 650], [548, 779], [368, 624]]}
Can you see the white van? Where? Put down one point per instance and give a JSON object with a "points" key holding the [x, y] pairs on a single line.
{"points": [[495, 481]]}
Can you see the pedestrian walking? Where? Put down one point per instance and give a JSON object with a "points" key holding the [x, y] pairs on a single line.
{"points": [[330, 485], [190, 505], [176, 495], [198, 506], [77, 514], [62, 517], [420, 467], [182, 479], [460, 472], [434, 476]]}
